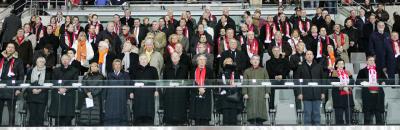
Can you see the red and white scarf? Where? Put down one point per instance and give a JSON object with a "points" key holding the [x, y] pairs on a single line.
{"points": [[185, 32], [250, 27], [344, 80], [342, 40], [293, 44], [320, 44], [287, 28], [226, 44], [77, 30], [372, 77], [10, 72], [117, 27], [68, 39], [252, 47], [301, 26], [268, 35], [200, 76], [241, 39]]}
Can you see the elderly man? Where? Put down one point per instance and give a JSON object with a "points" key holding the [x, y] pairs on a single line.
{"points": [[155, 58], [160, 40], [104, 58], [239, 58], [111, 35]]}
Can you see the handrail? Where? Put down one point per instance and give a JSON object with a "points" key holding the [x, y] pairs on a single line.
{"points": [[9, 6]]}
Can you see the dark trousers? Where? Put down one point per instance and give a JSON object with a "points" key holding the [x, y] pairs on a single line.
{"points": [[256, 121], [229, 116], [11, 110], [201, 122], [370, 112], [339, 116], [64, 121], [144, 121], [36, 114]]}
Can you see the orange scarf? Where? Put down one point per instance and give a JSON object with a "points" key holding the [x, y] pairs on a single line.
{"points": [[81, 51], [331, 59], [101, 56]]}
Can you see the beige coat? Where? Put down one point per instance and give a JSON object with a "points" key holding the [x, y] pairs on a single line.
{"points": [[343, 54]]}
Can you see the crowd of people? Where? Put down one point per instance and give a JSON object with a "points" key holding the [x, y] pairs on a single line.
{"points": [[203, 49]]}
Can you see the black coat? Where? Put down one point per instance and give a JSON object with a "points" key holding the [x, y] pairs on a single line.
{"points": [[366, 95], [329, 27], [238, 57], [175, 100], [144, 101], [277, 67], [341, 101], [42, 96], [380, 45], [115, 106], [19, 77], [64, 105], [50, 59], [200, 107], [313, 73], [233, 97], [10, 26], [354, 36], [133, 59], [115, 41], [315, 49], [285, 48], [48, 39], [142, 34], [295, 60], [127, 21], [63, 42], [91, 116], [25, 52]]}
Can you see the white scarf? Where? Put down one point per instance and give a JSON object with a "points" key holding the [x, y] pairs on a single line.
{"points": [[38, 75]]}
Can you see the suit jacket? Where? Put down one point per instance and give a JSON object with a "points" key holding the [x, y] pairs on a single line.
{"points": [[127, 21], [238, 57], [141, 36]]}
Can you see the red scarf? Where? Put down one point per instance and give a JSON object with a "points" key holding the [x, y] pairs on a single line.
{"points": [[250, 27], [253, 46], [200, 76], [268, 35], [20, 40], [372, 77], [341, 39], [344, 80], [10, 72], [301, 25], [321, 45]]}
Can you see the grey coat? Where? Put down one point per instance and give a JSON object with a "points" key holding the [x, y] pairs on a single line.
{"points": [[256, 105]]}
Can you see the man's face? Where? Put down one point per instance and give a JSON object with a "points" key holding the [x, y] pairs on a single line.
{"points": [[250, 35], [127, 13], [49, 30], [276, 52], [309, 56], [10, 48], [117, 66], [230, 33], [395, 36], [110, 27], [76, 21], [371, 61], [155, 26], [337, 28], [136, 23], [255, 61], [322, 32]]}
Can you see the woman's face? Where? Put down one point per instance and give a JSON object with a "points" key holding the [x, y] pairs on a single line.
{"points": [[82, 36], [174, 39], [340, 65], [71, 54], [371, 61], [40, 62], [143, 60]]}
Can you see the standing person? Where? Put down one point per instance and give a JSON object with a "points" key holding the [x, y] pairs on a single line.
{"points": [[92, 116], [112, 36], [24, 48], [11, 68], [256, 97], [278, 70], [160, 38], [342, 43], [127, 19], [10, 26], [238, 57], [104, 58], [175, 100], [311, 96], [115, 100], [154, 57], [380, 46], [373, 97], [342, 95], [200, 98], [229, 100], [63, 99], [144, 98], [396, 49], [36, 97], [129, 55], [84, 52]]}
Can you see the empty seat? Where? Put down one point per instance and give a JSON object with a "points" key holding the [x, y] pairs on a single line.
{"points": [[357, 57]]}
